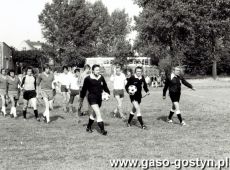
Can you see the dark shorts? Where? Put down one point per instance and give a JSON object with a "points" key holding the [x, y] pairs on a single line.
{"points": [[29, 94], [94, 100], [64, 88], [73, 93], [136, 97], [175, 97], [119, 93]]}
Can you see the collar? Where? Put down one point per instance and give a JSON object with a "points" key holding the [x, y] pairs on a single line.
{"points": [[137, 77], [172, 75], [92, 76]]}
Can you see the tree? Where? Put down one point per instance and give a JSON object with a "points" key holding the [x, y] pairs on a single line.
{"points": [[184, 30]]}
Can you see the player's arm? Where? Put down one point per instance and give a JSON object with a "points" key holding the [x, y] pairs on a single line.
{"points": [[145, 86], [128, 84], [187, 84], [84, 89], [105, 87], [165, 87]]}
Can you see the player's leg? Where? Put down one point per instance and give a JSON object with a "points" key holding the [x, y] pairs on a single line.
{"points": [[13, 108], [33, 102], [70, 103], [178, 113], [136, 104], [100, 122], [91, 119], [3, 105], [24, 109], [46, 114], [171, 113]]}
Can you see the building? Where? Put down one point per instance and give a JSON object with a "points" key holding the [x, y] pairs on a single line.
{"points": [[27, 45], [6, 60], [107, 62]]}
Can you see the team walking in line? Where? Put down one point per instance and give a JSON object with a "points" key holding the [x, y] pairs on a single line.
{"points": [[89, 84]]}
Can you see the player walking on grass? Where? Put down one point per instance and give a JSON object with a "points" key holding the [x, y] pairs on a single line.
{"points": [[29, 93], [95, 84], [137, 80], [47, 85], [3, 78], [119, 81], [74, 88], [64, 81], [173, 83], [12, 90]]}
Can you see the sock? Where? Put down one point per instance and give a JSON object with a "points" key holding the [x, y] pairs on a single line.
{"points": [[36, 113], [179, 117], [170, 115], [140, 120], [130, 118], [24, 114], [101, 125], [90, 123]]}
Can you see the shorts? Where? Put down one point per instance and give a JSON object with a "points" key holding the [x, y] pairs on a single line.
{"points": [[64, 88], [119, 93], [136, 97], [29, 94], [73, 93], [175, 97], [13, 94], [49, 94], [92, 99]]}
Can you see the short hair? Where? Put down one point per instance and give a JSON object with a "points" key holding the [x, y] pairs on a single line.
{"points": [[138, 67], [29, 68], [64, 67], [87, 66], [11, 71], [118, 66], [77, 70], [95, 65], [46, 66]]}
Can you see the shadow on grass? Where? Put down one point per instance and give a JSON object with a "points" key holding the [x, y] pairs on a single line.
{"points": [[55, 118], [163, 118]]}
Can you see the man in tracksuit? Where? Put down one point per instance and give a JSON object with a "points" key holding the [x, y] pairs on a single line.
{"points": [[173, 83], [137, 80]]}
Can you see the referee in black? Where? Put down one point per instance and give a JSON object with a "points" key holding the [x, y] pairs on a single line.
{"points": [[173, 83]]}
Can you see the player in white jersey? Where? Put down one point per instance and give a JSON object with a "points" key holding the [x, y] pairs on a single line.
{"points": [[119, 81], [63, 79], [74, 89]]}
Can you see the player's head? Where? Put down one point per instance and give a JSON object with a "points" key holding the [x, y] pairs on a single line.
{"points": [[47, 68], [138, 71], [29, 71], [87, 68], [77, 72], [3, 71], [11, 73], [128, 72], [177, 70], [96, 69], [65, 69], [118, 69]]}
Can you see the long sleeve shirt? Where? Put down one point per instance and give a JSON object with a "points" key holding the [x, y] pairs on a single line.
{"points": [[173, 83], [95, 86]]}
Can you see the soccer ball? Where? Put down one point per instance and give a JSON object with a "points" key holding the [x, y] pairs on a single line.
{"points": [[132, 89], [105, 96]]}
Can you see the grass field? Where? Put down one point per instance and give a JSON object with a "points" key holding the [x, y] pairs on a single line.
{"points": [[64, 144]]}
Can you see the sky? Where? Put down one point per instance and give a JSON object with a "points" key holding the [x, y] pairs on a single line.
{"points": [[19, 18]]}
